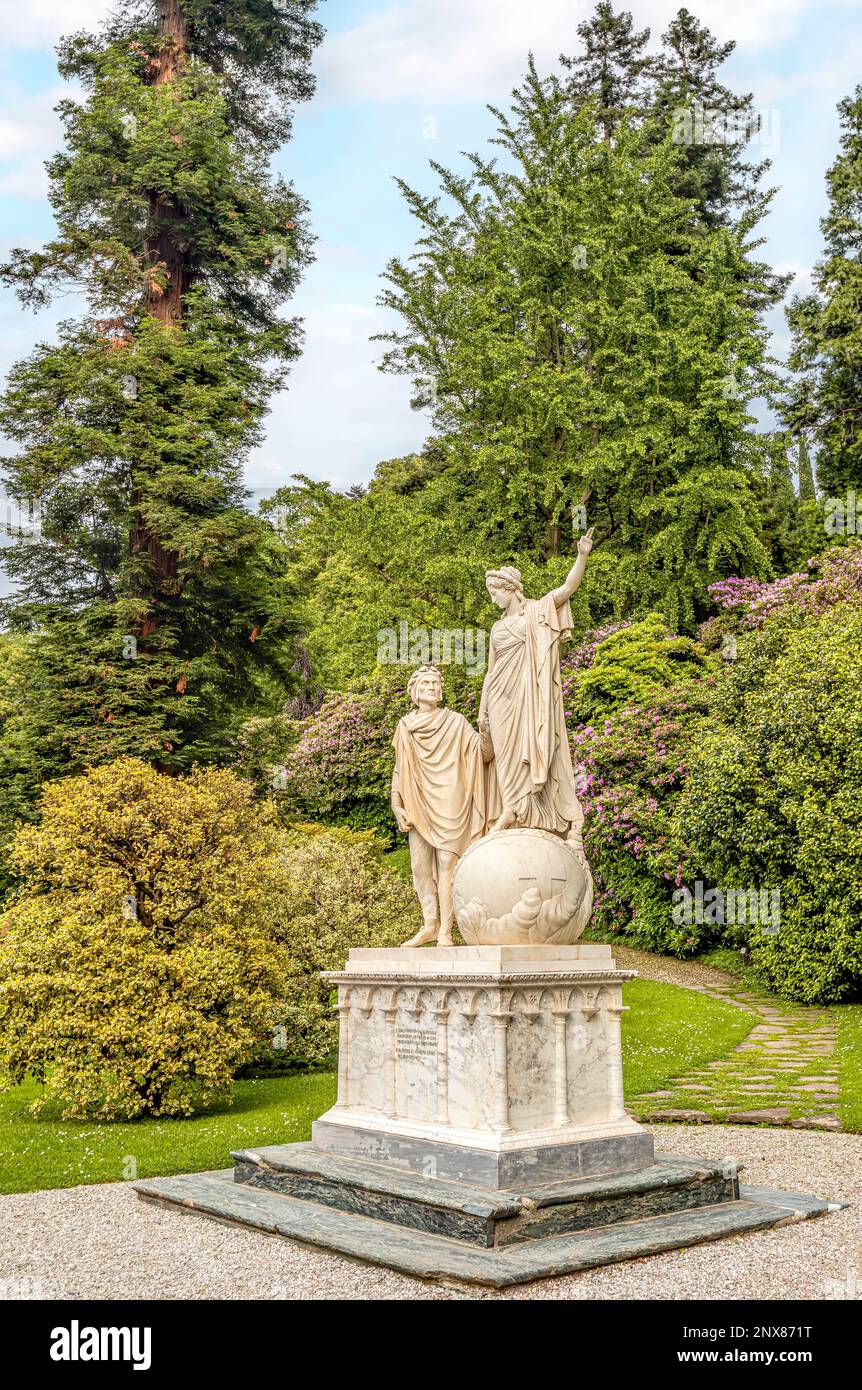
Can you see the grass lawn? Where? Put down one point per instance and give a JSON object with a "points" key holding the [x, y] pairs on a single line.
{"points": [[399, 859], [666, 1031], [849, 1055], [669, 1030], [63, 1153]]}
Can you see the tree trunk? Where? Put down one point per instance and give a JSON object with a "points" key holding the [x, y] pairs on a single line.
{"points": [[165, 251]]}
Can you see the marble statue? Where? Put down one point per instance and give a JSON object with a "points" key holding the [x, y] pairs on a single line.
{"points": [[521, 712], [438, 798], [522, 888]]}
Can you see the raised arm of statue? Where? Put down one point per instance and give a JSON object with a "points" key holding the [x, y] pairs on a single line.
{"points": [[576, 573]]}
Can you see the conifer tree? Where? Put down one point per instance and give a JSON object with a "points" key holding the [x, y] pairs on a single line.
{"points": [[609, 72], [581, 339], [826, 396], [781, 519], [154, 599], [807, 489]]}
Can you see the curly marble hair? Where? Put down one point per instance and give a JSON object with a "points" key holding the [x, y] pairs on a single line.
{"points": [[507, 577]]}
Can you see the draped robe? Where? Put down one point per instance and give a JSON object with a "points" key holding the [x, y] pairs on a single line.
{"points": [[438, 764], [523, 700]]}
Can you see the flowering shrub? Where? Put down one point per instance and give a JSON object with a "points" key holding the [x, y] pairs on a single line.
{"points": [[832, 578], [775, 796], [339, 768], [581, 657], [632, 766]]}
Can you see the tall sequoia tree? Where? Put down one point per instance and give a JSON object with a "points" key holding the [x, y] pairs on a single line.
{"points": [[827, 324], [152, 600]]}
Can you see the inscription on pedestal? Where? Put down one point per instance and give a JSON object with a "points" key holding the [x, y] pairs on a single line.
{"points": [[414, 1043]]}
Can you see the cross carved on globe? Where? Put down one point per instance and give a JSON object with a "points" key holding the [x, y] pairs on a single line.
{"points": [[548, 886]]}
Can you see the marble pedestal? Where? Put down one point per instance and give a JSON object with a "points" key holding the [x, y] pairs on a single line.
{"points": [[479, 1134], [487, 1064]]}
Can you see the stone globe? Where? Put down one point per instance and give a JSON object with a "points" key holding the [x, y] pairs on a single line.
{"points": [[522, 888]]}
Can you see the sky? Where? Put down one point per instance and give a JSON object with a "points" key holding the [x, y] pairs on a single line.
{"points": [[400, 84]]}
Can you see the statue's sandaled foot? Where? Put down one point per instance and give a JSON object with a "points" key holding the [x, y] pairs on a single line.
{"points": [[445, 939], [423, 937]]}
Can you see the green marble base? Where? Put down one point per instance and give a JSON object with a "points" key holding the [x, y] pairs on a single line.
{"points": [[435, 1229]]}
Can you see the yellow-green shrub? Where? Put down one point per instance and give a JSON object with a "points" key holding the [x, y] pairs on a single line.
{"points": [[337, 893], [138, 964]]}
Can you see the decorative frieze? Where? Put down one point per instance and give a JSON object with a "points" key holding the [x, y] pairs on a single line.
{"points": [[526, 1049]]}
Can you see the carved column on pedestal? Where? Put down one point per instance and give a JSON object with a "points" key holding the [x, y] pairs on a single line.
{"points": [[502, 1017], [560, 1015], [614, 1012], [441, 1014], [390, 1015], [343, 1046]]}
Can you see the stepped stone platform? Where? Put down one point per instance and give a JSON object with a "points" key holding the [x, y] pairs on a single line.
{"points": [[480, 1133], [442, 1230]]}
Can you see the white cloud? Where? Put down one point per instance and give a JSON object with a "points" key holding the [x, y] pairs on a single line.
{"points": [[340, 416], [801, 282], [27, 180], [30, 132], [460, 50], [40, 23], [28, 124]]}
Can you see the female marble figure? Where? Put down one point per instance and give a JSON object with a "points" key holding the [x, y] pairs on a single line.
{"points": [[521, 710]]}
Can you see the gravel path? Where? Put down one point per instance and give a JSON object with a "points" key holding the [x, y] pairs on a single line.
{"points": [[104, 1242], [691, 974]]}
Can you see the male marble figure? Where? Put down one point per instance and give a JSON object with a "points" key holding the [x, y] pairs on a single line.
{"points": [[438, 798]]}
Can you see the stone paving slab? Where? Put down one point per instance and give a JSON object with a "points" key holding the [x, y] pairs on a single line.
{"points": [[781, 1068]]}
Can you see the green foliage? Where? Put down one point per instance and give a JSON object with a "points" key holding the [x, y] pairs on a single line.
{"points": [[339, 768], [632, 667], [138, 965], [338, 893], [583, 321], [582, 341], [610, 68], [826, 324], [849, 1054], [633, 765], [261, 747], [805, 472], [781, 511], [775, 799], [133, 427]]}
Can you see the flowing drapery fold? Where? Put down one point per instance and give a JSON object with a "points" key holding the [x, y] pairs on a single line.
{"points": [[440, 777], [523, 701]]}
